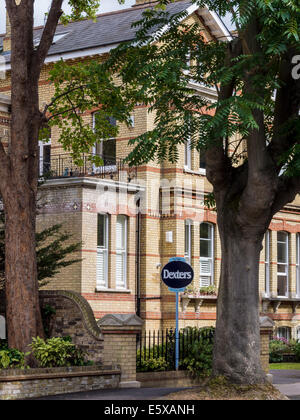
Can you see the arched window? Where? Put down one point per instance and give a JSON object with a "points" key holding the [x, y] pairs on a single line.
{"points": [[206, 254], [282, 264], [2, 328]]}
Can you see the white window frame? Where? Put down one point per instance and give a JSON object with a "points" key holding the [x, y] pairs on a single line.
{"points": [[103, 252], [207, 260], [188, 241], [94, 149], [298, 265], [188, 154], [267, 263], [122, 251], [285, 264], [42, 145]]}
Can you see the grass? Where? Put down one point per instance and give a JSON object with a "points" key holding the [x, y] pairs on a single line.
{"points": [[285, 366]]}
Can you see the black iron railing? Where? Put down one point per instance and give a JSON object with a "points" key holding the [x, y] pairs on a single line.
{"points": [[64, 166], [158, 347]]}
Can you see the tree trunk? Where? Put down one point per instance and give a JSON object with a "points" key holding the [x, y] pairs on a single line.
{"points": [[237, 342], [22, 301]]}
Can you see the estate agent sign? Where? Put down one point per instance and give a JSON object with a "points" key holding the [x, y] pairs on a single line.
{"points": [[177, 275]]}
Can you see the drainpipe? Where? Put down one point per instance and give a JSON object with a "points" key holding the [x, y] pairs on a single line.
{"points": [[138, 259]]}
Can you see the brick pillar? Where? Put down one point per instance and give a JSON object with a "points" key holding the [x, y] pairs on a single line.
{"points": [[120, 332], [266, 330]]}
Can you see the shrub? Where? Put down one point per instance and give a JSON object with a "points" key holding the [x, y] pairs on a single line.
{"points": [[277, 348], [151, 364], [198, 359], [12, 358], [296, 351], [57, 352]]}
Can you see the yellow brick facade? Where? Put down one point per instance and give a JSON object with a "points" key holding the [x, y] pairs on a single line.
{"points": [[73, 202]]}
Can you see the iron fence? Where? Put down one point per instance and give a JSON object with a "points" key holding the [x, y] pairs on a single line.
{"points": [[159, 346], [64, 166]]}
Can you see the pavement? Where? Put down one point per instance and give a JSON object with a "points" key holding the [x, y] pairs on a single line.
{"points": [[135, 394], [287, 382]]}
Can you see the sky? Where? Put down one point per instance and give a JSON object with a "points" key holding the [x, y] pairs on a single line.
{"points": [[41, 7]]}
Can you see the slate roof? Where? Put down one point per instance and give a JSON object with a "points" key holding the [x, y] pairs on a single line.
{"points": [[110, 28]]}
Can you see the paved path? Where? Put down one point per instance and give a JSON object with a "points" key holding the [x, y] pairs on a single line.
{"points": [[117, 394], [288, 382]]}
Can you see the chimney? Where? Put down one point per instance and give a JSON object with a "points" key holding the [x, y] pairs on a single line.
{"points": [[7, 39]]}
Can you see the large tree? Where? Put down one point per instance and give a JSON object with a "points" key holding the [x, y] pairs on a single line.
{"points": [[250, 135], [19, 165]]}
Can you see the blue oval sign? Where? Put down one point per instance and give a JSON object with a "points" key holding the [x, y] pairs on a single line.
{"points": [[177, 274]]}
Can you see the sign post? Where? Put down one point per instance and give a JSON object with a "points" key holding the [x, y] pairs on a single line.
{"points": [[177, 275]]}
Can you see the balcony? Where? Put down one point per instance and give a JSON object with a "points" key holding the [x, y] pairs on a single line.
{"points": [[64, 166]]}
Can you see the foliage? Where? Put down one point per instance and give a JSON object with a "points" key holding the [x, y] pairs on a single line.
{"points": [[159, 75], [208, 290], [57, 352], [152, 363], [296, 350], [11, 358], [277, 348], [199, 353]]}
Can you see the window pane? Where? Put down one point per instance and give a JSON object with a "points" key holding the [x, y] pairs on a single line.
{"points": [[205, 249], [205, 231], [101, 231], [109, 150], [281, 237], [282, 285], [202, 160], [281, 253], [281, 268]]}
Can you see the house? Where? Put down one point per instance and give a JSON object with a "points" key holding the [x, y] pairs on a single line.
{"points": [[131, 221]]}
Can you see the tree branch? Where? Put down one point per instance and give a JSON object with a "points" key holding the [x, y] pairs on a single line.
{"points": [[287, 191], [49, 32]]}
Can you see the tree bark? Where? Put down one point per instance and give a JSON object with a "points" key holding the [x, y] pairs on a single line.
{"points": [[237, 340]]}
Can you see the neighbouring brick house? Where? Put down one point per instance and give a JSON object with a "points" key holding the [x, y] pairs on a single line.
{"points": [[125, 243]]}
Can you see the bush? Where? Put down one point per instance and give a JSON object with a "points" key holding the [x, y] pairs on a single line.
{"points": [[57, 352], [198, 359], [11, 358], [277, 347], [296, 351], [151, 364]]}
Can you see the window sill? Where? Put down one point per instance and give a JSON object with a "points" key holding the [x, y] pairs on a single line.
{"points": [[106, 290], [190, 171]]}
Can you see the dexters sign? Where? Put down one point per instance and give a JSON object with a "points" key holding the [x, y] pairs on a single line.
{"points": [[177, 274]]}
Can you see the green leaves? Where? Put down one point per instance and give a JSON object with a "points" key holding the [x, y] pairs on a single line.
{"points": [[168, 67]]}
